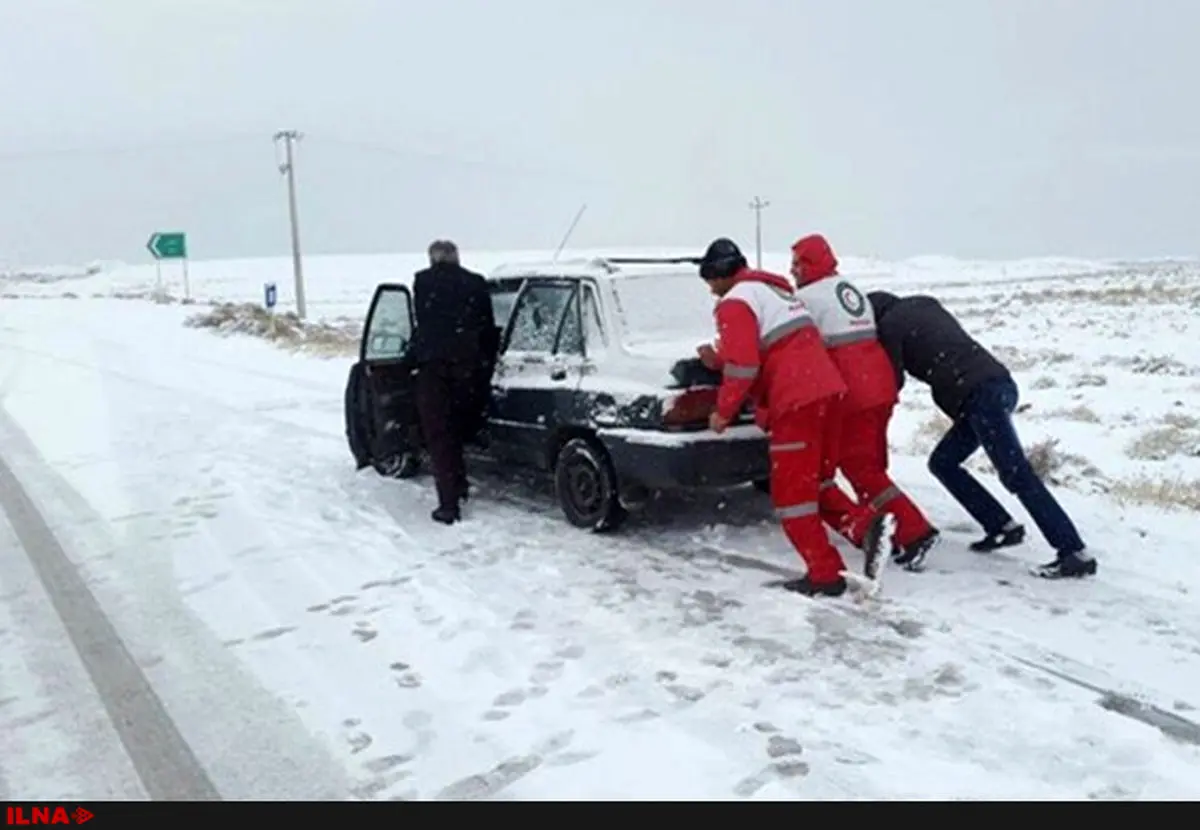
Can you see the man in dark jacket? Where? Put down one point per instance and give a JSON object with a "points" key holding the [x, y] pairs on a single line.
{"points": [[979, 394], [454, 346]]}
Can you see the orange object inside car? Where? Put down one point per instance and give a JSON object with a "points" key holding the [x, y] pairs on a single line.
{"points": [[690, 408]]}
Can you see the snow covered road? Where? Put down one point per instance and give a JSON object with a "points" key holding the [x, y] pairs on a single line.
{"points": [[310, 634], [163, 761]]}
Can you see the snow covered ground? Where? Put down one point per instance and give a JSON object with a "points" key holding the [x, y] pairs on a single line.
{"points": [[311, 634]]}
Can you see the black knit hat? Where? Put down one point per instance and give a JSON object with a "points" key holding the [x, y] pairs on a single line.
{"points": [[723, 259]]}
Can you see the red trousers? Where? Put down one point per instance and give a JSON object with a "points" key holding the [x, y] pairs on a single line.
{"points": [[849, 518], [799, 464], [863, 459]]}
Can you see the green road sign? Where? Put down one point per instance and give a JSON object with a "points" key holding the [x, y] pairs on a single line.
{"points": [[168, 245]]}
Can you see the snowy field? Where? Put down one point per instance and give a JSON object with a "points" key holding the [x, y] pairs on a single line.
{"points": [[311, 634]]}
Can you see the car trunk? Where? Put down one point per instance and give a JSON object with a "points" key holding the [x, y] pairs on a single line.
{"points": [[690, 394]]}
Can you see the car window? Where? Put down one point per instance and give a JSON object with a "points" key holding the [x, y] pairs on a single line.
{"points": [[665, 308], [536, 317], [389, 330], [504, 294], [570, 336], [593, 328]]}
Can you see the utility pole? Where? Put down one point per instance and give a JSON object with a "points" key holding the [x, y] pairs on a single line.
{"points": [[757, 206], [288, 168]]}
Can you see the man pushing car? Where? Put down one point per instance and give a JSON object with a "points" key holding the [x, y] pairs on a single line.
{"points": [[847, 324], [770, 352]]}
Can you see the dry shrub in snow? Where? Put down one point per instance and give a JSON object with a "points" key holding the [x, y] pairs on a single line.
{"points": [[1044, 382], [284, 329], [929, 433], [1081, 413], [1181, 420], [1171, 495], [1161, 443], [1053, 466], [1158, 292], [1060, 468], [1163, 365], [1020, 360], [1089, 379]]}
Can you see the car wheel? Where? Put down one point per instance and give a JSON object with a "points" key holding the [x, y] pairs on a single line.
{"points": [[400, 465], [763, 485], [586, 486]]}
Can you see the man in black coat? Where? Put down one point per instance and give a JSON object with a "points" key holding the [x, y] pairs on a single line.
{"points": [[979, 394], [454, 347]]}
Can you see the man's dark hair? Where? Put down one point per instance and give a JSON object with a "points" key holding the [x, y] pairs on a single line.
{"points": [[443, 250]]}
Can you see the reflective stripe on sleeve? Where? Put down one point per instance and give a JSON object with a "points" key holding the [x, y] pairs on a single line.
{"points": [[846, 338], [829, 482], [884, 497], [793, 446], [740, 372], [797, 511], [784, 329]]}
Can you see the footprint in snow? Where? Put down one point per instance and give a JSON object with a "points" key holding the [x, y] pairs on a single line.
{"points": [[405, 677], [273, 633], [549, 752], [385, 583], [684, 694], [354, 736], [571, 652], [336, 601], [637, 716], [547, 671], [785, 764], [511, 698], [525, 620]]}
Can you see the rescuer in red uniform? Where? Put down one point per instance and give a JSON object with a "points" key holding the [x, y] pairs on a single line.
{"points": [[847, 325], [771, 353]]}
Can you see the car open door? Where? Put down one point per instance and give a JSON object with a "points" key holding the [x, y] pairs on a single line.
{"points": [[381, 417]]}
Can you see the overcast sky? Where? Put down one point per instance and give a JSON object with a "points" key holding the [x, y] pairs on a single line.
{"points": [[977, 128]]}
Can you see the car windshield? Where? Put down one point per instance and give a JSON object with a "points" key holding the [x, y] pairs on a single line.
{"points": [[666, 307]]}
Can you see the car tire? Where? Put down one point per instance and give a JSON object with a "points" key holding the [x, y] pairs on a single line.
{"points": [[763, 485], [406, 464], [586, 486]]}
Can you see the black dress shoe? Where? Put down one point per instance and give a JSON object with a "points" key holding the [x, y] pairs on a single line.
{"points": [[446, 515]]}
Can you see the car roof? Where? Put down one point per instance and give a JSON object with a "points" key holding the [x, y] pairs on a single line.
{"points": [[598, 268]]}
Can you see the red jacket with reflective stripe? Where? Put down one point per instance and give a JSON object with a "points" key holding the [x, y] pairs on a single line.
{"points": [[770, 350], [847, 324]]}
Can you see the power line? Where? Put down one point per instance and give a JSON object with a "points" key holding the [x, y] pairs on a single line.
{"points": [[126, 149], [451, 158]]}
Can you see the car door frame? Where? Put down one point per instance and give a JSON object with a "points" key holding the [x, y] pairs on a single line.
{"points": [[392, 376], [528, 394]]}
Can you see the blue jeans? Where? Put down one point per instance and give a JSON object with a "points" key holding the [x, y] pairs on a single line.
{"points": [[986, 420]]}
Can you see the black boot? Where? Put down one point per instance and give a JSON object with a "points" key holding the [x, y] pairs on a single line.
{"points": [[446, 515], [912, 557], [820, 589], [1008, 537], [1068, 566], [878, 534]]}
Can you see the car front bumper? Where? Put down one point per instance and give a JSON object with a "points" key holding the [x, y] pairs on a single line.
{"points": [[685, 460]]}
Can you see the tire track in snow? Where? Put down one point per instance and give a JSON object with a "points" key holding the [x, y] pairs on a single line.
{"points": [[163, 760], [218, 704]]}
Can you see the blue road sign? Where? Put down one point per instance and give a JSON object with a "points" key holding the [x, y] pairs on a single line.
{"points": [[269, 294]]}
